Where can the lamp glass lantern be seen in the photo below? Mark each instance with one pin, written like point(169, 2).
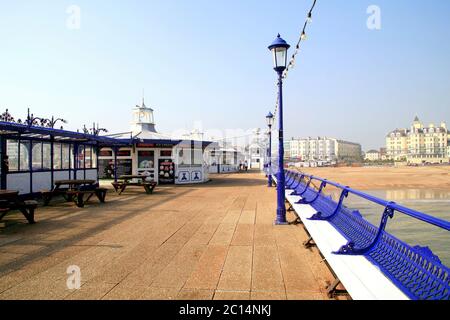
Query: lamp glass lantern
point(279, 50)
point(269, 119)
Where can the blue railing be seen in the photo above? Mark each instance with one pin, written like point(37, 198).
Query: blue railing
point(415, 270)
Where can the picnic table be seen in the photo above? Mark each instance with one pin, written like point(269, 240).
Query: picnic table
point(120, 186)
point(10, 200)
point(75, 190)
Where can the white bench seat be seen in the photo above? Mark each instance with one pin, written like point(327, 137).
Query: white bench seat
point(362, 279)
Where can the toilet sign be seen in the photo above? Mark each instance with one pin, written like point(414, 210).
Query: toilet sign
point(196, 176)
point(183, 176)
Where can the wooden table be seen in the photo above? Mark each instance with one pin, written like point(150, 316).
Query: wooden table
point(73, 184)
point(8, 194)
point(10, 200)
point(75, 191)
point(120, 186)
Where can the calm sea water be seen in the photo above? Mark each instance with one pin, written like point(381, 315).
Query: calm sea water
point(410, 230)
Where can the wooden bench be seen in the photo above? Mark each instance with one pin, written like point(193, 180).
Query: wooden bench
point(26, 207)
point(78, 195)
point(120, 186)
point(74, 190)
point(47, 195)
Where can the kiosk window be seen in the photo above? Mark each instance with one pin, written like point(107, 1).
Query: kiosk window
point(12, 151)
point(24, 152)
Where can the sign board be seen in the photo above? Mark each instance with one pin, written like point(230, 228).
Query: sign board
point(166, 171)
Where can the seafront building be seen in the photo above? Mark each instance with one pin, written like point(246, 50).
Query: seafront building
point(372, 155)
point(376, 155)
point(224, 159)
point(419, 144)
point(323, 149)
point(257, 150)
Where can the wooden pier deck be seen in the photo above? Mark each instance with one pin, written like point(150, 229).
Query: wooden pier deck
point(211, 241)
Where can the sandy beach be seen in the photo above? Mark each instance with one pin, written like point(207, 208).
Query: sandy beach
point(367, 178)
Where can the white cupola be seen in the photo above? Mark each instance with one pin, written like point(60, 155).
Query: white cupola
point(143, 120)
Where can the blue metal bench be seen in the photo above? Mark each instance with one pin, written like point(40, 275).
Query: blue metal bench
point(416, 271)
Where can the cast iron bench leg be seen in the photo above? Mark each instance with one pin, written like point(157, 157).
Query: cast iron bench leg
point(47, 196)
point(101, 195)
point(89, 197)
point(3, 213)
point(79, 200)
point(29, 214)
point(309, 243)
point(68, 197)
point(296, 221)
point(122, 188)
point(116, 186)
point(333, 291)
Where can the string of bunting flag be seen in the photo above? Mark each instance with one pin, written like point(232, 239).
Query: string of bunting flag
point(291, 63)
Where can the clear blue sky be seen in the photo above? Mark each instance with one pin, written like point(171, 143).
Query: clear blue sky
point(208, 61)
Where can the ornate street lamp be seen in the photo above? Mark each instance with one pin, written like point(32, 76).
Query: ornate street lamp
point(279, 50)
point(269, 119)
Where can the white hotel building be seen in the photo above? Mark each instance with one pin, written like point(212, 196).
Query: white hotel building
point(322, 149)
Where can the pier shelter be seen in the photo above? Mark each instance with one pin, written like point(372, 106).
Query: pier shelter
point(33, 156)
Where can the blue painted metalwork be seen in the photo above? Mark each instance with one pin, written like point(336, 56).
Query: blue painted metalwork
point(279, 67)
point(281, 209)
point(304, 190)
point(269, 118)
point(69, 136)
point(298, 181)
point(415, 270)
point(290, 179)
point(315, 195)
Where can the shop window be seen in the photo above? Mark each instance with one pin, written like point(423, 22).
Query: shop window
point(65, 156)
point(57, 161)
point(36, 156)
point(12, 151)
point(146, 159)
point(46, 156)
point(184, 156)
point(72, 157)
point(94, 157)
point(197, 156)
point(80, 157)
point(24, 152)
point(88, 157)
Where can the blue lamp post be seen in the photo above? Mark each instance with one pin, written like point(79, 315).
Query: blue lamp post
point(269, 119)
point(279, 50)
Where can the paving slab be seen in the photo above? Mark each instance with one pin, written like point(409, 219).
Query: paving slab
point(237, 271)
